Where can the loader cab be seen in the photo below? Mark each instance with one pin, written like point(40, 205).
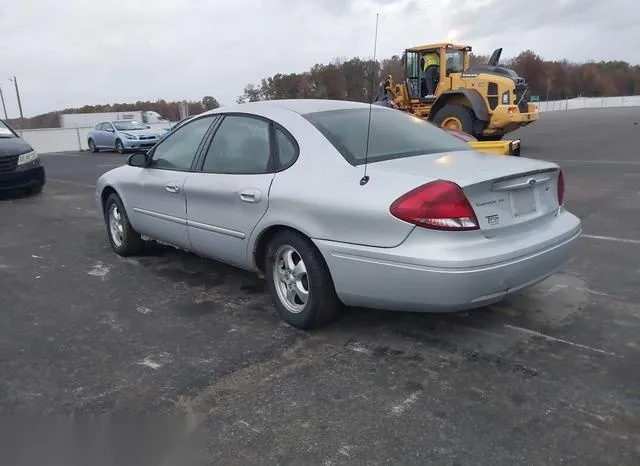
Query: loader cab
point(412, 73)
point(456, 61)
point(428, 67)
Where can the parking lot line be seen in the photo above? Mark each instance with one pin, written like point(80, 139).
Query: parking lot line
point(597, 162)
point(559, 340)
point(611, 238)
point(72, 183)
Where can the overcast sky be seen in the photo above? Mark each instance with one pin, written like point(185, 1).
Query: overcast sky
point(77, 52)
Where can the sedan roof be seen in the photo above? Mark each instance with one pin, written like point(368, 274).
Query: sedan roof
point(301, 106)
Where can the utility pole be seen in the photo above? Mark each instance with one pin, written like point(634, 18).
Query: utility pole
point(548, 87)
point(4, 107)
point(15, 82)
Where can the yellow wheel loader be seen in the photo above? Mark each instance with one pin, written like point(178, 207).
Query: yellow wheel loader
point(485, 101)
point(495, 147)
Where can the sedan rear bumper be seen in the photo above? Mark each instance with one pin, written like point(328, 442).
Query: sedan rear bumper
point(363, 278)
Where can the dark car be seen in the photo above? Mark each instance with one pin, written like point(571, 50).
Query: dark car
point(20, 166)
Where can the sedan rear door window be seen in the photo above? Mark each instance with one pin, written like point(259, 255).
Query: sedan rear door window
point(393, 134)
point(240, 146)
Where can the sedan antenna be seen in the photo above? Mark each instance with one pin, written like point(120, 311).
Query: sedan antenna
point(365, 179)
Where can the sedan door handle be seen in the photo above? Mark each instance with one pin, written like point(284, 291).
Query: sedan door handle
point(172, 188)
point(250, 195)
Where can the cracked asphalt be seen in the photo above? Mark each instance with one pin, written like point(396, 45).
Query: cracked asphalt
point(548, 377)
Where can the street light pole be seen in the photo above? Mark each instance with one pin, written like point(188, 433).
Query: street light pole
point(4, 107)
point(15, 82)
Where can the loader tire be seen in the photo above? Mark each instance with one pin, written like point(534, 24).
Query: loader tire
point(457, 117)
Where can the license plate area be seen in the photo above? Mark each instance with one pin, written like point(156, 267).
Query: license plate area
point(523, 202)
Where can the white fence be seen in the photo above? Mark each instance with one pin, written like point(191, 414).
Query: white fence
point(65, 139)
point(72, 139)
point(589, 102)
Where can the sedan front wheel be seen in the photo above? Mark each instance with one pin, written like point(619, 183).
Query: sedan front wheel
point(124, 240)
point(299, 282)
point(119, 147)
point(92, 146)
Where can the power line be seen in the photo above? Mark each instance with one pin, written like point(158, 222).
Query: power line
point(4, 107)
point(15, 82)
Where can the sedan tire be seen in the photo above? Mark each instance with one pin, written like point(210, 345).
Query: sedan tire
point(119, 147)
point(36, 189)
point(299, 282)
point(124, 240)
point(92, 146)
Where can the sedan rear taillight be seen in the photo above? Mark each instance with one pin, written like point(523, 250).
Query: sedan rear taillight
point(439, 205)
point(560, 188)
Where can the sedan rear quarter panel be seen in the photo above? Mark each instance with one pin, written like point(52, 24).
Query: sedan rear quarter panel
point(321, 195)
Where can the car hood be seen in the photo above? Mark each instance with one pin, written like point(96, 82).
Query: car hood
point(146, 132)
point(13, 146)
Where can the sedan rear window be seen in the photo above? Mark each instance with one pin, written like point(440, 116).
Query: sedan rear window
point(394, 134)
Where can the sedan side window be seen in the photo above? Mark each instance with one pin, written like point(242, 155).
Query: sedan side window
point(240, 146)
point(287, 148)
point(178, 149)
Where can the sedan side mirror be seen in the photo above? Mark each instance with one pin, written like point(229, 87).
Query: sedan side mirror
point(139, 159)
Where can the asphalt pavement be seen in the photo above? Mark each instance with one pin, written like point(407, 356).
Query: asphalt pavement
point(548, 377)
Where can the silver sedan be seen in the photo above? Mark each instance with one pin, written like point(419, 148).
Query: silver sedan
point(337, 203)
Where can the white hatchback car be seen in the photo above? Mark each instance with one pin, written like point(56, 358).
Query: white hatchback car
point(409, 218)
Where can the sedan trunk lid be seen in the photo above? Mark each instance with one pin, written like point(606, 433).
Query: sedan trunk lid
point(503, 191)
